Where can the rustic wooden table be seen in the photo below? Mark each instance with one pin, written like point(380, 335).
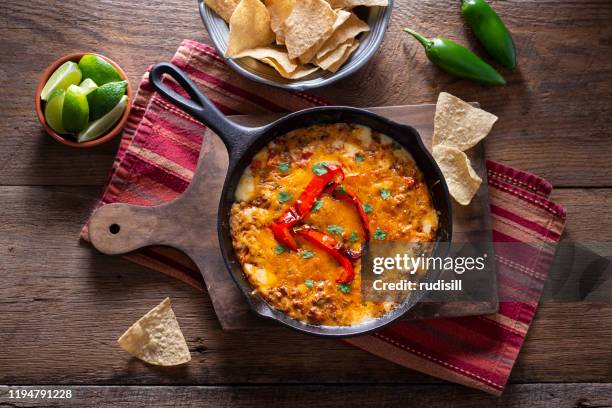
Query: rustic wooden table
point(62, 306)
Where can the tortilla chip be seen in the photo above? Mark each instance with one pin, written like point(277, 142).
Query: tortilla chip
point(348, 4)
point(350, 29)
point(332, 61)
point(458, 124)
point(279, 11)
point(462, 180)
point(277, 58)
point(224, 8)
point(157, 338)
point(310, 23)
point(249, 27)
point(309, 56)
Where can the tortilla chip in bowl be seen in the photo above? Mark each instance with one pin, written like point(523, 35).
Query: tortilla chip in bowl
point(296, 44)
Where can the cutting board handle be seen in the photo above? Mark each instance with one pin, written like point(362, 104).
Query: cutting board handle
point(116, 229)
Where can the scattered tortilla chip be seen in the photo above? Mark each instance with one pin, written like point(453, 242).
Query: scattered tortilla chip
point(279, 11)
point(249, 27)
point(462, 180)
point(350, 29)
point(348, 4)
point(332, 61)
point(277, 58)
point(157, 338)
point(458, 124)
point(224, 8)
point(310, 21)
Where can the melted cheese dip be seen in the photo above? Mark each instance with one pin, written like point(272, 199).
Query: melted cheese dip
point(303, 284)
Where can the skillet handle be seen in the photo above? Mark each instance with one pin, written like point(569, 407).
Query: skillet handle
point(198, 106)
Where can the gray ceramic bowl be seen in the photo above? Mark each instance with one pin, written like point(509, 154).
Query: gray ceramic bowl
point(377, 18)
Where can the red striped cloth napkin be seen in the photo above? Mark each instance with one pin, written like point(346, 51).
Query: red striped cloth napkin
point(158, 155)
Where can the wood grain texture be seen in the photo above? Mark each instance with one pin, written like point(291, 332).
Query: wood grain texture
point(556, 104)
point(520, 395)
point(63, 306)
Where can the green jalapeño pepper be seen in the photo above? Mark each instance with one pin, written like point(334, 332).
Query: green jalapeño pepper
point(458, 60)
point(490, 31)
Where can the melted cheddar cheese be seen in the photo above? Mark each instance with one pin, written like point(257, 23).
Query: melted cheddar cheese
point(303, 283)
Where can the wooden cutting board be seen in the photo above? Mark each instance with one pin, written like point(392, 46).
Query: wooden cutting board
point(189, 224)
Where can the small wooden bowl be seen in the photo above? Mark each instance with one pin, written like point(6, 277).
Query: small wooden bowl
point(39, 103)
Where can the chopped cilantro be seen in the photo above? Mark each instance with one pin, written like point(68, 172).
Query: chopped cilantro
point(341, 189)
point(367, 208)
point(319, 168)
point(385, 193)
point(309, 283)
point(334, 229)
point(344, 287)
point(279, 249)
point(359, 157)
point(379, 234)
point(354, 237)
point(283, 167)
point(317, 205)
point(306, 254)
point(284, 196)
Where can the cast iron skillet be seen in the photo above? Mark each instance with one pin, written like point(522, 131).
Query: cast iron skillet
point(243, 143)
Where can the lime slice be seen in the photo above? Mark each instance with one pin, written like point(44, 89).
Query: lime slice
point(53, 110)
point(103, 99)
point(98, 69)
point(75, 113)
point(88, 85)
point(99, 127)
point(67, 74)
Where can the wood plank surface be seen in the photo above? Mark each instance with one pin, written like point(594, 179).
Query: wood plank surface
point(520, 395)
point(555, 106)
point(64, 305)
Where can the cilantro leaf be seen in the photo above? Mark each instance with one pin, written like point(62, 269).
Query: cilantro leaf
point(279, 249)
point(284, 196)
point(344, 287)
point(306, 254)
point(379, 234)
point(359, 157)
point(309, 283)
point(319, 168)
point(317, 205)
point(283, 167)
point(367, 208)
point(335, 229)
point(354, 237)
point(385, 193)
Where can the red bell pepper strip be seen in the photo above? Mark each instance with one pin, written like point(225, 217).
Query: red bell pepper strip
point(332, 247)
point(281, 228)
point(344, 194)
point(316, 187)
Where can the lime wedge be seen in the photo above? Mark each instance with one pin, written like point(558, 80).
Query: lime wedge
point(88, 85)
point(67, 74)
point(99, 127)
point(53, 110)
point(98, 69)
point(75, 113)
point(103, 99)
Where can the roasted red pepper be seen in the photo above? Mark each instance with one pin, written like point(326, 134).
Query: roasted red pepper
point(344, 194)
point(332, 247)
point(281, 228)
point(316, 187)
